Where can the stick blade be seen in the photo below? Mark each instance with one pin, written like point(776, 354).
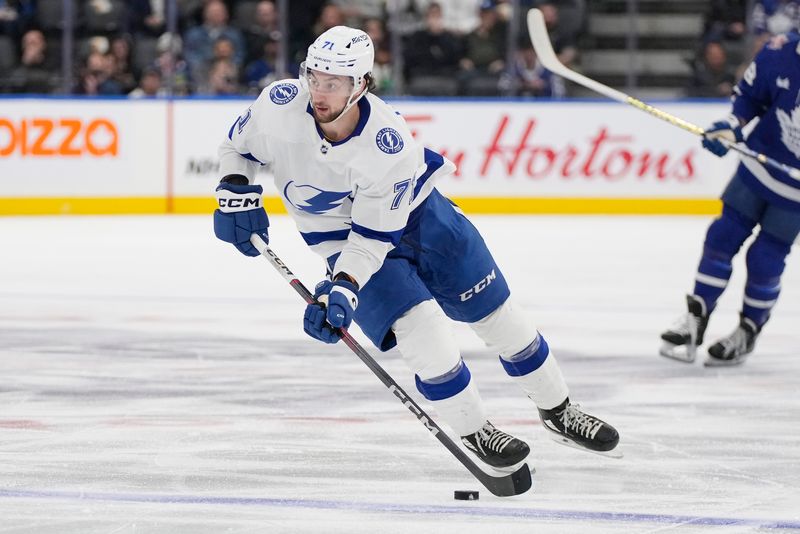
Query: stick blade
point(515, 483)
point(537, 30)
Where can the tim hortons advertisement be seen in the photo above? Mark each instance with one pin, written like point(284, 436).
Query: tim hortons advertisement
point(73, 148)
point(515, 149)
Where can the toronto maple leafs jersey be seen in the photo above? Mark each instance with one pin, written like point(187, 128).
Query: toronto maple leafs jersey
point(351, 196)
point(770, 90)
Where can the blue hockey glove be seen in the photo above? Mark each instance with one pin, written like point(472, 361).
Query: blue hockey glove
point(336, 303)
point(729, 129)
point(240, 214)
point(315, 325)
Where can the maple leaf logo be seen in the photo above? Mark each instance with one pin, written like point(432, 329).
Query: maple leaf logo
point(790, 130)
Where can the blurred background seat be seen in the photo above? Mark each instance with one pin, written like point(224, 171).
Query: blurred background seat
point(145, 50)
point(433, 86)
point(104, 16)
point(50, 15)
point(244, 14)
point(8, 54)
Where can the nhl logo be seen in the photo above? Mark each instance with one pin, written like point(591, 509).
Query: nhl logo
point(323, 148)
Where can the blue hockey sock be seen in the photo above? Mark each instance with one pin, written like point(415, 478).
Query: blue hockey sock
point(766, 259)
point(723, 241)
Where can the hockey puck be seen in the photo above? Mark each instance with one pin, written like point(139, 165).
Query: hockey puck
point(465, 495)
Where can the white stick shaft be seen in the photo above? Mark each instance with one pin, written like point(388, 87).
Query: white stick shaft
point(547, 56)
point(276, 262)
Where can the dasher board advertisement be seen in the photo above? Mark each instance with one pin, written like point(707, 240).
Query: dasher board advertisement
point(513, 156)
point(61, 147)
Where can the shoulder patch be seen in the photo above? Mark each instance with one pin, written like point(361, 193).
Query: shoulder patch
point(389, 141)
point(283, 93)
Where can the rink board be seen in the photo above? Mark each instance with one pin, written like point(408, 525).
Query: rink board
point(118, 156)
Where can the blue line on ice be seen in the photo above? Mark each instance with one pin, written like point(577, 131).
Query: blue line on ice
point(468, 510)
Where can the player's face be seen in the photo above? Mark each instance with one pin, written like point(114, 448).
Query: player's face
point(329, 94)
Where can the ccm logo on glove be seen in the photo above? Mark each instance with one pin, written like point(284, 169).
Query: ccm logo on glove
point(230, 202)
point(240, 215)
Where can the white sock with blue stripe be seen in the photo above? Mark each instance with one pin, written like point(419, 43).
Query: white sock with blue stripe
point(509, 332)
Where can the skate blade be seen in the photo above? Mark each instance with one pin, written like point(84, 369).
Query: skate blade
point(615, 453)
point(718, 362)
point(681, 353)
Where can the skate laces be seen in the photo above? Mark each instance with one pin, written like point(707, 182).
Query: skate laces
point(579, 422)
point(488, 437)
point(686, 324)
point(736, 342)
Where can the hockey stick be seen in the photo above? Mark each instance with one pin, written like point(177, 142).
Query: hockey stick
point(547, 56)
point(503, 486)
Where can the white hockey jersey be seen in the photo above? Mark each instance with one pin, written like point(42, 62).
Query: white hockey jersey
point(352, 196)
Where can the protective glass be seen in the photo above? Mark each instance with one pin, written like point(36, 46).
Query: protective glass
point(327, 84)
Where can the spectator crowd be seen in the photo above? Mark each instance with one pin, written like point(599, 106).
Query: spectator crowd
point(733, 32)
point(445, 47)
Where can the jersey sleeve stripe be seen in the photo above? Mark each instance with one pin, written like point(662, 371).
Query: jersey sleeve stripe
point(434, 161)
point(315, 238)
point(251, 158)
point(386, 237)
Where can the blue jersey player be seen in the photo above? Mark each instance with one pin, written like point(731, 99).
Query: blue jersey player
point(755, 196)
point(402, 260)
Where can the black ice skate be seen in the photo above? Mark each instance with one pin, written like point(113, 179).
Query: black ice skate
point(568, 425)
point(683, 338)
point(733, 349)
point(495, 447)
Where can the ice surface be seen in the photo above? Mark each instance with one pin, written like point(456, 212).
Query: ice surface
point(154, 380)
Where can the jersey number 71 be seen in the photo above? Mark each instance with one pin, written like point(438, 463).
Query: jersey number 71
point(400, 189)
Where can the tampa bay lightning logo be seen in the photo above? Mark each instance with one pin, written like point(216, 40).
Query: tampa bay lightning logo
point(389, 141)
point(283, 93)
point(313, 199)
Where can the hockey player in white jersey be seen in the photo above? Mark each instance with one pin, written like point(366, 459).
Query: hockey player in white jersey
point(401, 258)
point(755, 196)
